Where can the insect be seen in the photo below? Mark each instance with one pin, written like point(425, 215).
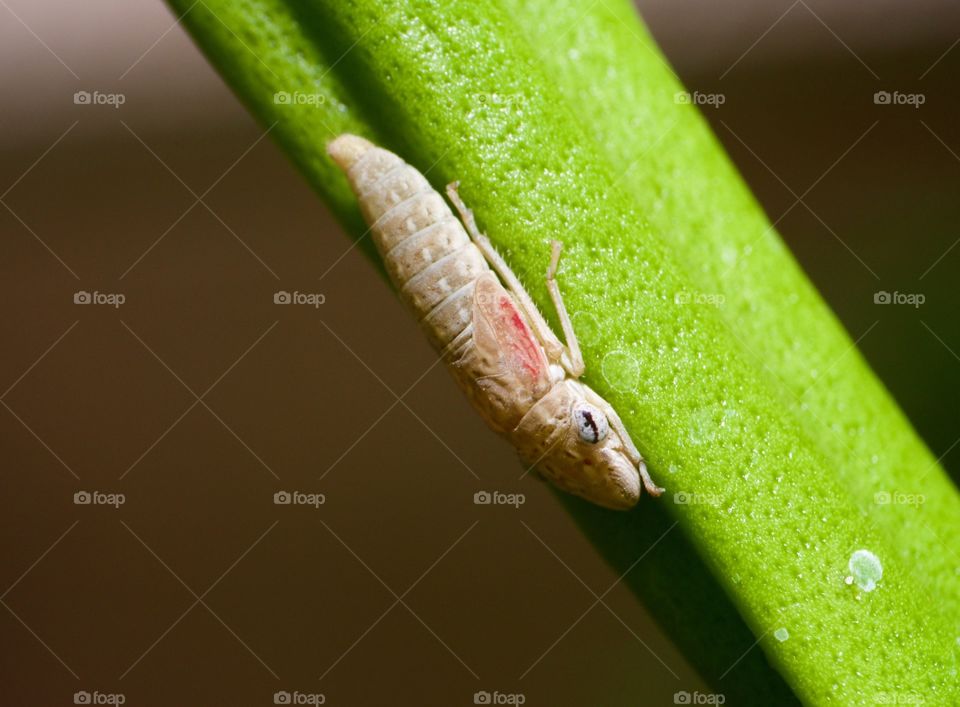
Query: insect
point(517, 374)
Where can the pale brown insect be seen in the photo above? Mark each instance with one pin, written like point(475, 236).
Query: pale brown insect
point(501, 351)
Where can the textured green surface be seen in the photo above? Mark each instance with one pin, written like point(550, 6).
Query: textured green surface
point(769, 304)
point(596, 152)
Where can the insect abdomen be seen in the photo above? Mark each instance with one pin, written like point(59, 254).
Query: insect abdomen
point(424, 247)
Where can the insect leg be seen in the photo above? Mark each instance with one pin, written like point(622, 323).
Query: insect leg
point(632, 452)
point(576, 366)
point(551, 344)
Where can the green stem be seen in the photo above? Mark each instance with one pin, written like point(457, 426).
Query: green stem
point(595, 151)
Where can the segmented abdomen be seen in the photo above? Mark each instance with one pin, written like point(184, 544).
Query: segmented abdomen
point(426, 250)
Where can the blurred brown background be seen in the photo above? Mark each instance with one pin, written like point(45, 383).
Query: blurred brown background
point(198, 398)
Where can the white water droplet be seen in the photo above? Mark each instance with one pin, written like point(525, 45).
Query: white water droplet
point(866, 569)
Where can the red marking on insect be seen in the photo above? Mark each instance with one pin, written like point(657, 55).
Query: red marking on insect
point(527, 351)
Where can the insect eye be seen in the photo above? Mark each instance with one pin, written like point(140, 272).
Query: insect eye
point(591, 423)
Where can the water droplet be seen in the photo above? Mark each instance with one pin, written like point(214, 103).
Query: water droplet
point(866, 570)
point(703, 429)
point(621, 371)
point(781, 634)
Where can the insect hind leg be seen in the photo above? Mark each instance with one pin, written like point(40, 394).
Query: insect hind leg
point(574, 355)
point(554, 348)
